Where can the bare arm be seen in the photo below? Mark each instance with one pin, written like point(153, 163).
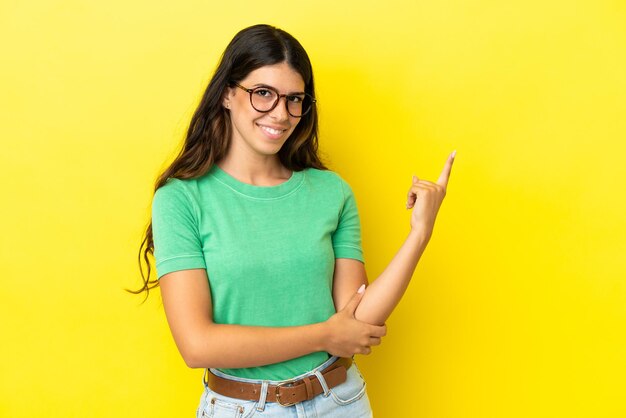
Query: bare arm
point(202, 343)
point(383, 295)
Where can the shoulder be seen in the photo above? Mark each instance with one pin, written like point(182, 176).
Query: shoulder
point(175, 193)
point(173, 188)
point(326, 176)
point(329, 183)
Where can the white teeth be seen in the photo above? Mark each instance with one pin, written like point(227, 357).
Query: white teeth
point(272, 131)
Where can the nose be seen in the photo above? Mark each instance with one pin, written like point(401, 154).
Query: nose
point(280, 110)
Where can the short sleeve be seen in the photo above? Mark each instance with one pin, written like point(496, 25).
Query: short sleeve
point(177, 244)
point(347, 238)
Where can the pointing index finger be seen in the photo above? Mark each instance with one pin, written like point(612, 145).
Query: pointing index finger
point(445, 173)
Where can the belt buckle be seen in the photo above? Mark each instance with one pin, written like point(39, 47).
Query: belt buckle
point(277, 393)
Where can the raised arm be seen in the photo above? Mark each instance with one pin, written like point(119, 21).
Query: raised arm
point(202, 343)
point(383, 295)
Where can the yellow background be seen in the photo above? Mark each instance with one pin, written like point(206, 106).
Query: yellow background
point(518, 306)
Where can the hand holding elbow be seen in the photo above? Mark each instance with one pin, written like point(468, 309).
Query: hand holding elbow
point(347, 336)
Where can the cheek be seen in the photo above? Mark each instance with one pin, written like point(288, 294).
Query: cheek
point(294, 123)
point(246, 116)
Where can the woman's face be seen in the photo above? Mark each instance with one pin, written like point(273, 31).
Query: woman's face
point(262, 134)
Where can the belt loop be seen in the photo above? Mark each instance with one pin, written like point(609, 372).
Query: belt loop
point(205, 381)
point(261, 405)
point(308, 388)
point(322, 382)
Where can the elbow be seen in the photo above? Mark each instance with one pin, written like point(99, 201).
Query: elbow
point(197, 353)
point(193, 362)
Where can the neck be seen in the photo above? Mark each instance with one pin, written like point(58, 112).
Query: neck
point(256, 170)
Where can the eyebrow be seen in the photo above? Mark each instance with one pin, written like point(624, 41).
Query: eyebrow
point(274, 88)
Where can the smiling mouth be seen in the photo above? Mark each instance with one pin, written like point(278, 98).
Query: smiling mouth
point(272, 131)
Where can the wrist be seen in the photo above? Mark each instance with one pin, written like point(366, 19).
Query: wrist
point(322, 333)
point(420, 234)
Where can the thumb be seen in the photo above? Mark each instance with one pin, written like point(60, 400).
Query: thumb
point(354, 301)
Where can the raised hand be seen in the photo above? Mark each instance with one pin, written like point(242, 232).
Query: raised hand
point(425, 197)
point(347, 335)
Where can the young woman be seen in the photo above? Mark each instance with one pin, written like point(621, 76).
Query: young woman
point(258, 248)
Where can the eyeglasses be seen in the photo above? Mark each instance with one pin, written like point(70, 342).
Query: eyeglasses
point(264, 99)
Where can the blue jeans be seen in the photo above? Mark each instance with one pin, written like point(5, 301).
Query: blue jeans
point(348, 399)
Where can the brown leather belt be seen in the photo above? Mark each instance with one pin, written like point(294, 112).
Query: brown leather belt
point(287, 393)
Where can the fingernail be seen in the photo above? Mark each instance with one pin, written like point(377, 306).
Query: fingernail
point(415, 178)
point(453, 153)
point(361, 289)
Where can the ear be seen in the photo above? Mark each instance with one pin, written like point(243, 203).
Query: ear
point(226, 97)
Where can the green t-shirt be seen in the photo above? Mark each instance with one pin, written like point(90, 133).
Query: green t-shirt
point(269, 251)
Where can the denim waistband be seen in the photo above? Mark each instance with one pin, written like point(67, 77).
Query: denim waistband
point(316, 370)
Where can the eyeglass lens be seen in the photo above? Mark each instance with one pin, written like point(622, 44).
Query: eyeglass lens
point(265, 99)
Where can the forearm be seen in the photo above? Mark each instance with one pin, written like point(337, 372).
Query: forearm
point(202, 343)
point(384, 293)
point(235, 346)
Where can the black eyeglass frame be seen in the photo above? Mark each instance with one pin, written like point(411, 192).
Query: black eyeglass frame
point(278, 97)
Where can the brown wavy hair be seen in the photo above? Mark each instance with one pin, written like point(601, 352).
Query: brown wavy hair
point(209, 132)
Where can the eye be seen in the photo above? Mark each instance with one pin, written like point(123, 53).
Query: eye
point(265, 93)
point(295, 98)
